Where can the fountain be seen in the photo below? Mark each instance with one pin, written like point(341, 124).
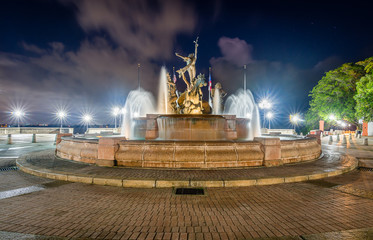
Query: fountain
point(183, 132)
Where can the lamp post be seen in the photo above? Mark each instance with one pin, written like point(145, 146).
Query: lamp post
point(265, 104)
point(294, 119)
point(87, 119)
point(115, 112)
point(18, 114)
point(269, 116)
point(61, 115)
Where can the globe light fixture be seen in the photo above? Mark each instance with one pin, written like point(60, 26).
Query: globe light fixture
point(18, 114)
point(265, 104)
point(87, 119)
point(61, 115)
point(295, 119)
point(269, 116)
point(115, 112)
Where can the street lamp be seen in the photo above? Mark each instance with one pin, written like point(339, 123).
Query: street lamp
point(18, 114)
point(116, 111)
point(265, 104)
point(294, 119)
point(269, 116)
point(61, 115)
point(87, 118)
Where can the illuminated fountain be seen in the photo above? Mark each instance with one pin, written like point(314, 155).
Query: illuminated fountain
point(182, 131)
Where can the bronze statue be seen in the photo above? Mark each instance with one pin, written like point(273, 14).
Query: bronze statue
point(172, 95)
point(191, 65)
point(190, 101)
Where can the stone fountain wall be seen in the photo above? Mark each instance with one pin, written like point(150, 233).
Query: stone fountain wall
point(116, 151)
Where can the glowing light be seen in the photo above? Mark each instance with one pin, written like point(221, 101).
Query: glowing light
point(269, 115)
point(265, 104)
point(61, 114)
point(295, 118)
point(18, 114)
point(343, 124)
point(332, 117)
point(87, 118)
point(116, 111)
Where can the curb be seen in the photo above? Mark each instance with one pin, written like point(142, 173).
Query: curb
point(159, 183)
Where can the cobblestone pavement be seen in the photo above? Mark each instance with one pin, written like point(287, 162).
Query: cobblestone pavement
point(320, 209)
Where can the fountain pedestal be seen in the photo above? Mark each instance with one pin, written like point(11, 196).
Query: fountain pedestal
point(198, 127)
point(272, 151)
point(106, 149)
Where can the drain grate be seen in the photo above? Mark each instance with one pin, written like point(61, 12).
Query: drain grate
point(363, 169)
point(189, 191)
point(5, 169)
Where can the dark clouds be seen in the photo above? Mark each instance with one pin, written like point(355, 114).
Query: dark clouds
point(105, 65)
point(287, 84)
point(146, 29)
point(92, 61)
point(234, 50)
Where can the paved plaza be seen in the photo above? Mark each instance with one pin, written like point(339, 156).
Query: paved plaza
point(339, 207)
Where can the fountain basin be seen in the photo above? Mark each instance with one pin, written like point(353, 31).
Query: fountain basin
point(190, 127)
point(116, 151)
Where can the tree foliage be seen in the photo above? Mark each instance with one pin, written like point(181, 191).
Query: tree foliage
point(364, 98)
point(345, 92)
point(334, 94)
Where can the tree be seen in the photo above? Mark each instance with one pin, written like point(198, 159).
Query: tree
point(364, 98)
point(334, 94)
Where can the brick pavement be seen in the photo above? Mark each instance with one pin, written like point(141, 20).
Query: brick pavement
point(78, 210)
point(320, 209)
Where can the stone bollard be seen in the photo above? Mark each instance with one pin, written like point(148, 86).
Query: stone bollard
point(350, 138)
point(34, 138)
point(356, 134)
point(9, 138)
point(359, 136)
point(366, 141)
point(330, 138)
point(338, 138)
point(344, 140)
point(301, 134)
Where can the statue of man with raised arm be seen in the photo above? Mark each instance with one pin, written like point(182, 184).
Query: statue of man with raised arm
point(191, 65)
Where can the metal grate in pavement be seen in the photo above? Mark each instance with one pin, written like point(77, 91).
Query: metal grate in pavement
point(363, 169)
point(5, 169)
point(189, 191)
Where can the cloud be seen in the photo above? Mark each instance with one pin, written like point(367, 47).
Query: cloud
point(287, 83)
point(328, 64)
point(103, 69)
point(234, 50)
point(146, 29)
point(32, 48)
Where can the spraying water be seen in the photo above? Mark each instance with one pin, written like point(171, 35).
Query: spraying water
point(216, 104)
point(138, 104)
point(242, 104)
point(163, 92)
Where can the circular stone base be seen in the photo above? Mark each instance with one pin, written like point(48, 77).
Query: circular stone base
point(46, 164)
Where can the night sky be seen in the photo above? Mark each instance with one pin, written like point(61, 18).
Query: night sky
point(83, 55)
